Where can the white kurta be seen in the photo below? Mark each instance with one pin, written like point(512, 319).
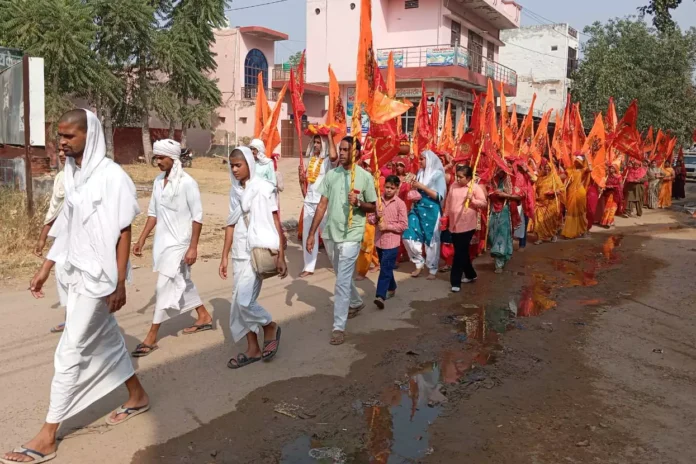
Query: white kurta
point(176, 293)
point(55, 208)
point(91, 359)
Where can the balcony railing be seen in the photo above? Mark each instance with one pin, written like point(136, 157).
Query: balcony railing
point(249, 93)
point(434, 55)
point(281, 73)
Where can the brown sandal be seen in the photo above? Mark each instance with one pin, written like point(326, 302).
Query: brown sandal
point(353, 312)
point(337, 337)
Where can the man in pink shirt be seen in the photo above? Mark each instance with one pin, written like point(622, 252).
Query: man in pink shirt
point(462, 224)
point(393, 221)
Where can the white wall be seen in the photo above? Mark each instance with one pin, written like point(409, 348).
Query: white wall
point(540, 69)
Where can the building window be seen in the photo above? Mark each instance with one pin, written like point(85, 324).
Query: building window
point(554, 48)
point(254, 63)
point(572, 62)
point(490, 51)
point(408, 4)
point(408, 119)
point(552, 91)
point(456, 37)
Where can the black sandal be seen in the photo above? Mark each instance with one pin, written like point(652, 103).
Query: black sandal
point(140, 350)
point(270, 350)
point(241, 360)
point(198, 328)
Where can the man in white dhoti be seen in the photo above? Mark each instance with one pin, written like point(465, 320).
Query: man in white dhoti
point(91, 359)
point(55, 207)
point(175, 208)
point(253, 223)
point(322, 158)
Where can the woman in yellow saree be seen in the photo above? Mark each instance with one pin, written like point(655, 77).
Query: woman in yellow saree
point(576, 200)
point(665, 199)
point(549, 198)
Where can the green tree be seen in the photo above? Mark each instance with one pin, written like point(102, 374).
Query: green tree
point(294, 59)
point(627, 60)
point(61, 32)
point(190, 34)
point(660, 10)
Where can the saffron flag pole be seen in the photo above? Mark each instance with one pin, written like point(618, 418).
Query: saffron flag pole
point(296, 92)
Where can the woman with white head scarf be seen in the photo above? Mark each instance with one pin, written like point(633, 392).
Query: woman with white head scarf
point(424, 218)
point(252, 223)
point(91, 359)
point(264, 164)
point(176, 214)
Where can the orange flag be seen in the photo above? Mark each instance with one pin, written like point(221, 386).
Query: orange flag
point(490, 124)
point(670, 150)
point(379, 106)
point(525, 135)
point(391, 77)
point(460, 128)
point(446, 139)
point(423, 135)
point(263, 111)
point(559, 150)
point(595, 150)
point(435, 121)
point(507, 135)
point(269, 134)
point(514, 125)
point(612, 118)
point(648, 143)
point(336, 116)
point(626, 138)
point(541, 136)
point(657, 146)
point(578, 134)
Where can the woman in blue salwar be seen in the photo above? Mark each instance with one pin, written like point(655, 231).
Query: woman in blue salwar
point(503, 220)
point(424, 218)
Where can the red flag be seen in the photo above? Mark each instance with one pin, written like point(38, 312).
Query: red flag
point(626, 137)
point(475, 122)
point(424, 135)
point(435, 121)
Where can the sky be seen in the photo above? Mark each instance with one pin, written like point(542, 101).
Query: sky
point(289, 16)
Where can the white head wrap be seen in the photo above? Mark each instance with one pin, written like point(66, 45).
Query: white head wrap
point(261, 157)
point(171, 149)
point(324, 147)
point(433, 176)
point(92, 156)
point(237, 190)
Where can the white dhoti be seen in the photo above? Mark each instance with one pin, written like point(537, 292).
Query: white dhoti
point(310, 259)
point(91, 359)
point(175, 296)
point(246, 314)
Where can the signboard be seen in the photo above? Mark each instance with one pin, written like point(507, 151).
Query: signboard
point(443, 56)
point(462, 57)
point(350, 107)
point(383, 58)
point(9, 57)
point(12, 106)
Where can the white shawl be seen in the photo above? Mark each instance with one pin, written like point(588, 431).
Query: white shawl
point(433, 176)
point(100, 201)
point(257, 199)
point(261, 157)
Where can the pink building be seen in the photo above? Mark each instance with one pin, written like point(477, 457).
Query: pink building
point(451, 44)
point(243, 52)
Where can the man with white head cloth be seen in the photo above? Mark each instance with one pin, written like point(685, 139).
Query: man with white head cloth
point(175, 208)
point(91, 359)
point(264, 164)
point(322, 158)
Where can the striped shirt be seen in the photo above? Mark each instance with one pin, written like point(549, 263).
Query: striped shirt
point(395, 218)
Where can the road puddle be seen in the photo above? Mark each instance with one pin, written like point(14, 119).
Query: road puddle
point(577, 271)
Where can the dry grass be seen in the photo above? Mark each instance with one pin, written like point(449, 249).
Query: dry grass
point(210, 173)
point(18, 234)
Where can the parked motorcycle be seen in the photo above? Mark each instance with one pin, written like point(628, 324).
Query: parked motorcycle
point(186, 158)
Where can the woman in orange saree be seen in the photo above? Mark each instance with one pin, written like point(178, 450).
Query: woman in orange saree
point(576, 200)
point(613, 197)
point(665, 199)
point(549, 198)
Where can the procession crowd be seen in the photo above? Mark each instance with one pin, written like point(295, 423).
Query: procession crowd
point(428, 207)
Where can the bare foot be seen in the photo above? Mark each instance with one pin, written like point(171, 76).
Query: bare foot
point(375, 269)
point(431, 277)
point(270, 331)
point(359, 277)
point(304, 274)
point(416, 272)
point(41, 443)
